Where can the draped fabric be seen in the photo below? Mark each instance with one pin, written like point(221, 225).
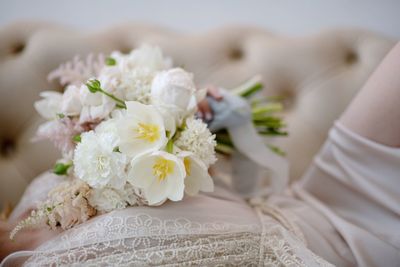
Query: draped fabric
point(218, 229)
point(343, 211)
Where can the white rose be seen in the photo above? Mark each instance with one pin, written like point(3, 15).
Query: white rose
point(71, 102)
point(49, 106)
point(175, 90)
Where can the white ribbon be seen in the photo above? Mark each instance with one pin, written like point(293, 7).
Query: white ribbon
point(234, 114)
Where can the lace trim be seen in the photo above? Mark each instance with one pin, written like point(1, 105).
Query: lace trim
point(143, 240)
point(285, 218)
point(110, 227)
point(282, 244)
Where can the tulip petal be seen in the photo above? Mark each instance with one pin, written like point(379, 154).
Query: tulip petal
point(157, 191)
point(140, 174)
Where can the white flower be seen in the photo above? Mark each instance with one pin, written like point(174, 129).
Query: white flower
point(197, 176)
point(109, 127)
point(107, 199)
point(130, 85)
point(141, 130)
point(49, 106)
point(71, 102)
point(97, 163)
point(95, 106)
point(69, 204)
point(175, 90)
point(131, 77)
point(197, 138)
point(161, 176)
point(148, 57)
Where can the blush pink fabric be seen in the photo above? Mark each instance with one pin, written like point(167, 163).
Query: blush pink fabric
point(345, 209)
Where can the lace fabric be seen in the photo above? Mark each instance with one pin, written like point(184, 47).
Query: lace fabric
point(145, 240)
point(201, 231)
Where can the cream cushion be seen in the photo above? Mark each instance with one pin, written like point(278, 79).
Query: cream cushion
point(318, 76)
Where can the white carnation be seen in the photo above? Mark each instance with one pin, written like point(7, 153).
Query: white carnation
point(97, 163)
point(197, 138)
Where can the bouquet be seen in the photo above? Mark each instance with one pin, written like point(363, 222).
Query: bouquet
point(128, 133)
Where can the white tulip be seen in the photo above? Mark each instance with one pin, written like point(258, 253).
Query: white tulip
point(161, 176)
point(49, 106)
point(197, 176)
point(141, 129)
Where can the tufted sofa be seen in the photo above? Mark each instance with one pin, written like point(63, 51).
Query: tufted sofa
point(317, 76)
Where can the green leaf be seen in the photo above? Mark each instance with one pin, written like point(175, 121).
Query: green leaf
point(252, 90)
point(60, 115)
point(110, 61)
point(77, 138)
point(269, 122)
point(249, 88)
point(61, 168)
point(267, 109)
point(170, 146)
point(116, 149)
point(277, 150)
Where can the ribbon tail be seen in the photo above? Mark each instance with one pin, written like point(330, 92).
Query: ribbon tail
point(249, 143)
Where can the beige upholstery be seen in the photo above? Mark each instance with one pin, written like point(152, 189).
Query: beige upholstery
point(318, 75)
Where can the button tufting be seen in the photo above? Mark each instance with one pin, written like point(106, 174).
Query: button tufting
point(351, 57)
point(236, 54)
point(7, 146)
point(288, 98)
point(126, 49)
point(17, 48)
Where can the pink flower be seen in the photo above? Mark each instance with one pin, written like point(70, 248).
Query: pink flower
point(60, 132)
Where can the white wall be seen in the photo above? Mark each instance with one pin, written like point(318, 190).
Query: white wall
point(284, 16)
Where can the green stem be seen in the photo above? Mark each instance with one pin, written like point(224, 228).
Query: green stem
point(224, 149)
point(120, 102)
